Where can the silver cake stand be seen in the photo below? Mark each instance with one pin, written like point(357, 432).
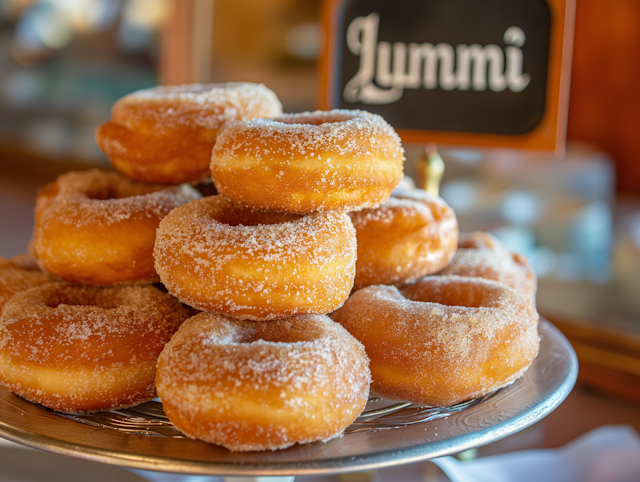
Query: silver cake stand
point(383, 436)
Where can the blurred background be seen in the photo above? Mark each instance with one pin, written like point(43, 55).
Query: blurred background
point(63, 63)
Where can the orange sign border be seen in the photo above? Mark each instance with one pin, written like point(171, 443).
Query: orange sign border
point(549, 134)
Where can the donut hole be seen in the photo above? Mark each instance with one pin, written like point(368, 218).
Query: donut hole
point(232, 215)
point(101, 186)
point(105, 193)
point(96, 303)
point(315, 118)
point(81, 296)
point(477, 241)
point(185, 89)
point(254, 218)
point(470, 293)
point(281, 331)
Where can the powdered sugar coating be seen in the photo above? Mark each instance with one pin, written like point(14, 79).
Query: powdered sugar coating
point(215, 255)
point(481, 255)
point(78, 348)
point(442, 339)
point(315, 161)
point(18, 274)
point(263, 385)
point(411, 235)
point(166, 134)
point(207, 106)
point(98, 228)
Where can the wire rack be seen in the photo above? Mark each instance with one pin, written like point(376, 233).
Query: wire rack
point(148, 419)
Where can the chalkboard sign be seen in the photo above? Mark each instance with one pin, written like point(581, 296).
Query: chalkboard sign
point(479, 72)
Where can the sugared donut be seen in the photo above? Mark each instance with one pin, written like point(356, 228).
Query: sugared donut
point(98, 228)
point(314, 161)
point(81, 349)
point(262, 385)
point(442, 339)
point(217, 256)
point(165, 134)
point(18, 274)
point(413, 234)
point(481, 255)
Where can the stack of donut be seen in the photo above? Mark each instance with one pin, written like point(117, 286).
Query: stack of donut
point(305, 222)
point(85, 332)
point(81, 325)
point(267, 259)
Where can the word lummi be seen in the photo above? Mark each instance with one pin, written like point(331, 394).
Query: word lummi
point(386, 70)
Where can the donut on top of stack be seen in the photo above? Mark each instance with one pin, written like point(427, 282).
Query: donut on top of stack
point(276, 242)
point(340, 160)
point(165, 134)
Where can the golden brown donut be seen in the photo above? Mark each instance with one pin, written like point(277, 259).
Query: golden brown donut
point(481, 255)
point(18, 274)
point(98, 228)
point(442, 339)
point(263, 385)
point(314, 161)
point(165, 134)
point(413, 234)
point(82, 349)
point(217, 256)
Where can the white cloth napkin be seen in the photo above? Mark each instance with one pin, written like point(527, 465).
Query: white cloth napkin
point(606, 454)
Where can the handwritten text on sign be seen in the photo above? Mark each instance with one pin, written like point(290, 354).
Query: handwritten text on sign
point(386, 70)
